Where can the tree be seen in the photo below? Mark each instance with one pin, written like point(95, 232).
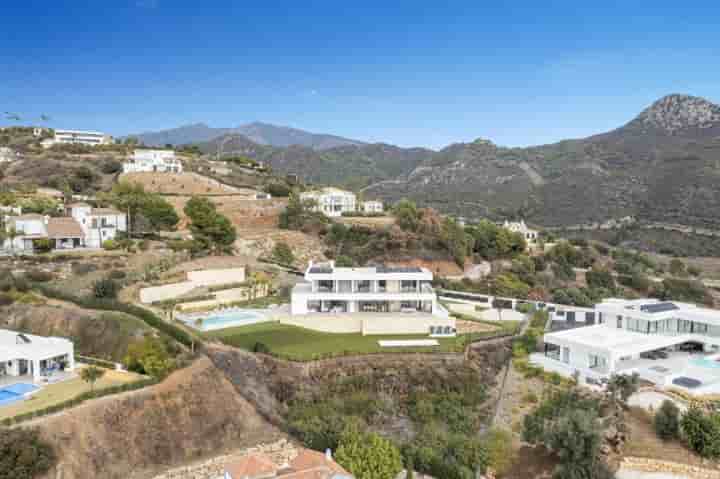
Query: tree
point(146, 211)
point(91, 375)
point(105, 288)
point(667, 421)
point(367, 455)
point(702, 432)
point(621, 386)
point(407, 215)
point(24, 454)
point(282, 253)
point(677, 267)
point(210, 229)
point(600, 278)
point(455, 239)
point(149, 356)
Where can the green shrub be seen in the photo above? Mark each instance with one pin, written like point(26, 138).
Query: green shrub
point(24, 454)
point(667, 420)
point(105, 288)
point(498, 444)
point(282, 253)
point(261, 348)
point(81, 269)
point(117, 274)
point(42, 245)
point(110, 244)
point(39, 276)
point(702, 432)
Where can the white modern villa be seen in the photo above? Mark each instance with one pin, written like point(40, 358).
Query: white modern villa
point(27, 355)
point(668, 343)
point(155, 161)
point(91, 138)
point(332, 202)
point(372, 206)
point(372, 300)
point(529, 234)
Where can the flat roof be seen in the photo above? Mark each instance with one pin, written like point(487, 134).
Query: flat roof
point(620, 341)
point(38, 347)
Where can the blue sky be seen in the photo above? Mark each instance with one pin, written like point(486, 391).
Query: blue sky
point(412, 73)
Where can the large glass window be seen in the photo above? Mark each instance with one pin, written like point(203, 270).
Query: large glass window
point(363, 286)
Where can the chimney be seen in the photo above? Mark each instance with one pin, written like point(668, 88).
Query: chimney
point(46, 219)
point(328, 454)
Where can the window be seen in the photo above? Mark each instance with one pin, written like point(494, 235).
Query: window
point(619, 322)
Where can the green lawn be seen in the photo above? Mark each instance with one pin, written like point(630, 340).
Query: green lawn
point(300, 344)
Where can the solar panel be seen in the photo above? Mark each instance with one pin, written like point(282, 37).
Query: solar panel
point(658, 307)
point(398, 269)
point(321, 270)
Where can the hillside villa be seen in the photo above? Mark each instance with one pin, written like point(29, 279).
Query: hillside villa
point(668, 343)
point(32, 357)
point(82, 227)
point(333, 202)
point(307, 464)
point(91, 138)
point(153, 161)
point(371, 300)
point(372, 207)
point(529, 234)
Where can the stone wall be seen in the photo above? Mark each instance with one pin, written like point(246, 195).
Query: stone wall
point(667, 467)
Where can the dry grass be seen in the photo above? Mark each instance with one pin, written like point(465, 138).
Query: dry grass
point(643, 441)
point(65, 390)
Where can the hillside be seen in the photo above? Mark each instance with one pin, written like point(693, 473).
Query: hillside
point(194, 413)
point(664, 165)
point(354, 166)
point(258, 132)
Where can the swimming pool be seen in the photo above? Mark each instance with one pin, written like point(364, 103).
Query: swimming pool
point(706, 363)
point(15, 392)
point(226, 319)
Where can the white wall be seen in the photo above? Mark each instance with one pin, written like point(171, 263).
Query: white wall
point(210, 277)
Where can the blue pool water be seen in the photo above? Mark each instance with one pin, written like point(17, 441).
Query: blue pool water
point(15, 392)
point(227, 319)
point(706, 363)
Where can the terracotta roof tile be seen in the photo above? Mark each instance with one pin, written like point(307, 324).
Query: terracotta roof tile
point(64, 228)
point(254, 466)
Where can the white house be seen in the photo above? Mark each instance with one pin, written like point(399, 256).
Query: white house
point(160, 161)
point(645, 336)
point(529, 234)
point(396, 299)
point(8, 154)
point(97, 224)
point(34, 356)
point(372, 206)
point(82, 227)
point(332, 202)
point(91, 138)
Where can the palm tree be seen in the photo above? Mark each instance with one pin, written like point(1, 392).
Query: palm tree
point(91, 375)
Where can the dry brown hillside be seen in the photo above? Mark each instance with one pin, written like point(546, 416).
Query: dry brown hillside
point(186, 183)
point(194, 413)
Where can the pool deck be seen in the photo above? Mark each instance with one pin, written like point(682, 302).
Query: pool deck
point(663, 371)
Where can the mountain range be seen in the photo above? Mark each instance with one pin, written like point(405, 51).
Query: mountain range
point(258, 132)
point(664, 165)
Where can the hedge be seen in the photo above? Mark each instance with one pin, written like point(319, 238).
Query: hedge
point(101, 363)
point(79, 399)
point(106, 304)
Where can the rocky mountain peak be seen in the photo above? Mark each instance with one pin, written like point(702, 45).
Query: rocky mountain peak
point(673, 113)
